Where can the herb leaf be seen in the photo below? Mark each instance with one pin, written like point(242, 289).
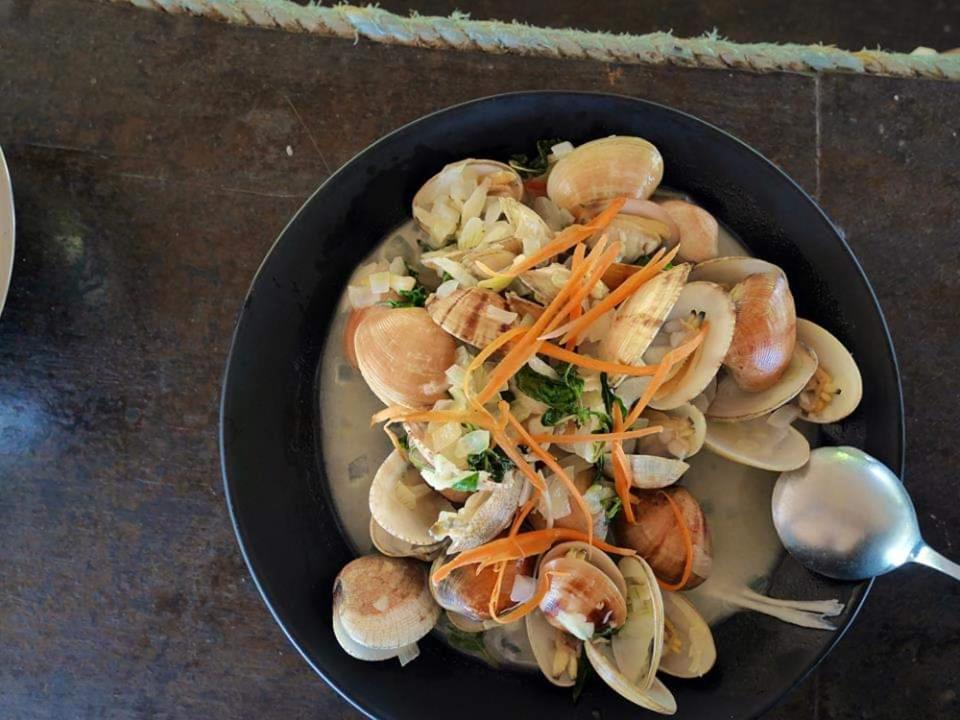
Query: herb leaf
point(410, 298)
point(467, 642)
point(467, 484)
point(583, 673)
point(562, 394)
point(492, 461)
point(612, 507)
point(527, 166)
point(610, 397)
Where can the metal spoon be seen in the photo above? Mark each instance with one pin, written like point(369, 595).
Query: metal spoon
point(846, 515)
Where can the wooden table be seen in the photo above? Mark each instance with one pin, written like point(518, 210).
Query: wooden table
point(154, 161)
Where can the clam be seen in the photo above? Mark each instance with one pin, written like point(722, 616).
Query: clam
point(688, 647)
point(395, 547)
point(615, 275)
point(384, 603)
point(733, 403)
point(616, 166)
point(467, 592)
point(638, 236)
point(545, 283)
point(766, 330)
point(526, 225)
point(474, 315)
point(482, 517)
point(699, 302)
point(556, 651)
point(462, 622)
point(404, 355)
point(581, 598)
point(684, 429)
point(657, 538)
point(649, 472)
point(731, 269)
point(355, 649)
point(628, 662)
point(836, 387)
point(699, 232)
point(403, 504)
point(458, 192)
point(637, 321)
point(576, 550)
point(759, 443)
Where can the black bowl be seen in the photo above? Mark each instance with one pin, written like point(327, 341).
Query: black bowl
point(270, 421)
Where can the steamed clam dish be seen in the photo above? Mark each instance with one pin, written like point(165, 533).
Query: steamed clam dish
point(554, 345)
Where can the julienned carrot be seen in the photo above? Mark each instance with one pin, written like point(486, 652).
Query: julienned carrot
point(559, 353)
point(482, 356)
point(551, 463)
point(520, 546)
point(600, 256)
point(398, 413)
point(525, 608)
point(598, 437)
point(578, 254)
point(656, 264)
point(565, 239)
point(687, 547)
point(663, 372)
point(621, 468)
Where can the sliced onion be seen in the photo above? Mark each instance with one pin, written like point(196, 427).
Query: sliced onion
point(447, 288)
point(500, 315)
point(471, 235)
point(523, 588)
point(407, 654)
point(562, 148)
point(473, 442)
point(398, 266)
point(542, 368)
point(361, 297)
point(456, 271)
point(380, 282)
point(402, 282)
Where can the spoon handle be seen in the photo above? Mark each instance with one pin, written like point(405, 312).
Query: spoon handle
point(926, 555)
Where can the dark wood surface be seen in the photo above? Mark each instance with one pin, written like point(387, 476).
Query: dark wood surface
point(154, 161)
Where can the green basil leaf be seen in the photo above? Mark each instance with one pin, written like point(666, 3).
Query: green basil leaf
point(467, 484)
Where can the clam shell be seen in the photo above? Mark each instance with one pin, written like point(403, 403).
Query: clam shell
point(638, 320)
point(656, 537)
point(638, 645)
point(656, 698)
point(523, 307)
point(692, 415)
point(403, 355)
point(355, 649)
point(731, 269)
point(462, 622)
point(649, 472)
point(395, 547)
point(581, 598)
point(837, 361)
point(545, 641)
point(384, 603)
point(465, 314)
point(545, 283)
point(758, 444)
point(766, 330)
point(638, 236)
point(597, 558)
point(699, 232)
point(688, 647)
point(410, 525)
point(616, 166)
point(703, 364)
point(732, 403)
point(483, 516)
point(615, 275)
point(466, 592)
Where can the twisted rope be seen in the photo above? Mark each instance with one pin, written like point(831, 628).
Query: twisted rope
point(459, 32)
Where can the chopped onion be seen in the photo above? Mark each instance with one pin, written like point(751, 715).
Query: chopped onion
point(474, 204)
point(784, 416)
point(361, 297)
point(443, 435)
point(398, 266)
point(562, 148)
point(500, 315)
point(542, 368)
point(447, 288)
point(455, 375)
point(493, 210)
point(530, 245)
point(402, 282)
point(523, 588)
point(471, 234)
point(407, 654)
point(456, 270)
point(496, 232)
point(473, 442)
point(380, 282)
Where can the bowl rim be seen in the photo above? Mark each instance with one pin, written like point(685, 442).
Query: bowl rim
point(861, 590)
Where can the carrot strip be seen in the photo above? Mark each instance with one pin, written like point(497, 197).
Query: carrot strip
point(495, 595)
point(482, 356)
point(400, 413)
point(598, 437)
point(656, 264)
point(579, 254)
point(528, 506)
point(522, 545)
point(663, 371)
point(621, 468)
point(559, 353)
point(551, 463)
point(687, 547)
point(565, 239)
point(543, 585)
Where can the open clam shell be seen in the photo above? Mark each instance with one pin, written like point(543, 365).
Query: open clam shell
point(557, 652)
point(732, 403)
point(462, 622)
point(474, 315)
point(841, 369)
point(688, 647)
point(718, 310)
point(392, 546)
point(649, 472)
point(731, 269)
point(484, 514)
point(758, 444)
point(545, 282)
point(687, 428)
point(597, 558)
point(403, 355)
point(699, 232)
point(581, 598)
point(403, 504)
point(616, 166)
point(384, 603)
point(466, 592)
point(638, 320)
